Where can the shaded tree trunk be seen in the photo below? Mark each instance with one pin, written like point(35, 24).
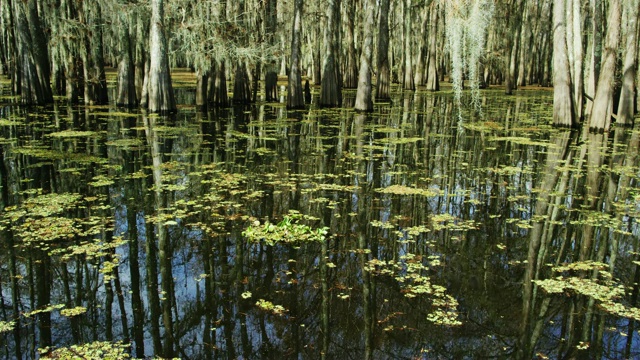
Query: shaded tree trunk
point(241, 85)
point(295, 98)
point(217, 91)
point(350, 80)
point(383, 84)
point(433, 82)
point(271, 68)
point(408, 81)
point(330, 92)
point(126, 95)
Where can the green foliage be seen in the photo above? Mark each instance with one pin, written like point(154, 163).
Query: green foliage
point(92, 351)
point(576, 278)
point(268, 306)
point(6, 326)
point(288, 231)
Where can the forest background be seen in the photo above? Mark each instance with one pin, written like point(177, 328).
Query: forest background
point(586, 50)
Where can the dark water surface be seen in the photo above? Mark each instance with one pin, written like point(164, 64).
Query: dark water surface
point(408, 233)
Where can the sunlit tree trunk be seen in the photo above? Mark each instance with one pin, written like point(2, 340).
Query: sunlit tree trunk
point(626, 106)
point(161, 97)
point(433, 82)
point(603, 100)
point(563, 112)
point(364, 100)
point(330, 92)
point(513, 44)
point(295, 98)
point(407, 80)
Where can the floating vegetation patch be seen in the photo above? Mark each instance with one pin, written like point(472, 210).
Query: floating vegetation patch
point(126, 143)
point(10, 122)
point(522, 141)
point(101, 180)
point(576, 278)
point(78, 310)
point(72, 134)
point(288, 231)
point(270, 307)
point(115, 114)
point(411, 273)
point(92, 351)
point(406, 190)
point(6, 326)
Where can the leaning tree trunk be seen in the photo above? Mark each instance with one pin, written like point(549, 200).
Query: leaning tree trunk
point(626, 106)
point(603, 101)
point(562, 95)
point(159, 87)
point(384, 72)
point(363, 94)
point(295, 98)
point(330, 92)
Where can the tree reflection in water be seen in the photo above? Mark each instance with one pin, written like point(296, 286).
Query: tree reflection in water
point(440, 231)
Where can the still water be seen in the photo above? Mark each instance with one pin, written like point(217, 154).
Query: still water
point(414, 232)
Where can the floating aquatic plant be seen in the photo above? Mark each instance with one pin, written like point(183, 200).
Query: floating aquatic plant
point(289, 231)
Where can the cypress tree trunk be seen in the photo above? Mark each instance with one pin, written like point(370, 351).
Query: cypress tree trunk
point(241, 86)
point(363, 94)
point(40, 52)
point(159, 86)
point(330, 92)
point(384, 73)
point(562, 103)
point(271, 73)
point(218, 86)
point(350, 80)
point(433, 82)
point(407, 81)
point(295, 98)
point(603, 101)
point(126, 95)
point(626, 106)
point(32, 90)
point(202, 81)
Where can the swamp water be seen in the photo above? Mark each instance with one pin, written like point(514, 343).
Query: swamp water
point(258, 232)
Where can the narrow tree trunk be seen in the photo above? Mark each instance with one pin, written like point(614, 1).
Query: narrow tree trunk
point(433, 82)
point(40, 52)
point(241, 86)
point(350, 80)
point(295, 98)
point(562, 94)
point(407, 82)
point(159, 87)
point(32, 91)
point(603, 101)
point(383, 85)
point(271, 69)
point(364, 100)
point(202, 80)
point(126, 95)
point(330, 92)
point(626, 106)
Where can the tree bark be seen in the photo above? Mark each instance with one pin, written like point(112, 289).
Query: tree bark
point(626, 106)
point(603, 101)
point(330, 92)
point(433, 82)
point(350, 80)
point(126, 96)
point(295, 98)
point(408, 81)
point(363, 94)
point(562, 104)
point(383, 84)
point(271, 73)
point(161, 97)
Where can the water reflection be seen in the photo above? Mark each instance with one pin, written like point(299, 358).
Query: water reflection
point(442, 231)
